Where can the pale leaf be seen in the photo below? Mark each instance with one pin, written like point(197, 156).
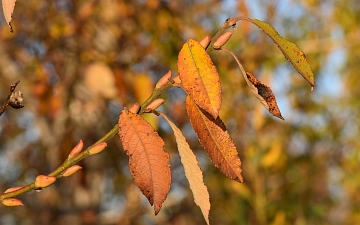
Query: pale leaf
point(8, 9)
point(192, 171)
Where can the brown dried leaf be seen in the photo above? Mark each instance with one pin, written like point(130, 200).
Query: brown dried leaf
point(199, 77)
point(260, 90)
point(8, 9)
point(216, 141)
point(264, 94)
point(192, 171)
point(148, 162)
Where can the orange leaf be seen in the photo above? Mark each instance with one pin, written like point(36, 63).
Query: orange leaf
point(199, 77)
point(216, 141)
point(148, 162)
point(192, 171)
point(8, 9)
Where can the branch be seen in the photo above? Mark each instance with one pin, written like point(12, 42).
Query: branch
point(14, 99)
point(76, 155)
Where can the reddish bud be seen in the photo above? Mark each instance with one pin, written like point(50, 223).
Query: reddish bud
point(134, 108)
point(222, 40)
point(97, 148)
point(43, 181)
point(76, 150)
point(205, 41)
point(177, 81)
point(13, 189)
point(71, 170)
point(163, 80)
point(155, 104)
point(12, 202)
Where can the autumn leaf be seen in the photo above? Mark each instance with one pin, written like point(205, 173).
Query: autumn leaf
point(8, 9)
point(216, 140)
point(192, 171)
point(264, 94)
point(260, 90)
point(290, 50)
point(148, 162)
point(199, 77)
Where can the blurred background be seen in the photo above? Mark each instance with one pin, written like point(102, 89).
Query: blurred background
point(80, 62)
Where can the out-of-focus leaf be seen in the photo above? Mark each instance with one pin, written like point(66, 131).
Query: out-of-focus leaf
point(216, 140)
point(264, 94)
point(8, 9)
point(290, 50)
point(143, 87)
point(199, 77)
point(100, 80)
point(192, 171)
point(148, 162)
point(272, 157)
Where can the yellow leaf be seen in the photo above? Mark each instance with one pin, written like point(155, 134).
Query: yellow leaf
point(290, 50)
point(192, 171)
point(199, 77)
point(273, 156)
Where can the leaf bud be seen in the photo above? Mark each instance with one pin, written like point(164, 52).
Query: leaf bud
point(13, 189)
point(177, 81)
point(71, 170)
point(76, 150)
point(43, 181)
point(163, 80)
point(205, 41)
point(155, 104)
point(97, 148)
point(134, 108)
point(12, 202)
point(222, 40)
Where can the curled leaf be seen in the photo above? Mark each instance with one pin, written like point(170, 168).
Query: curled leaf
point(260, 90)
point(148, 161)
point(192, 171)
point(216, 140)
point(199, 77)
point(264, 94)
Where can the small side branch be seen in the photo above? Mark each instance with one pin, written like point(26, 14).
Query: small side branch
point(14, 99)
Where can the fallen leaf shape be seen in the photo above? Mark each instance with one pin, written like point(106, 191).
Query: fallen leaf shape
point(264, 94)
point(260, 90)
point(199, 77)
point(216, 140)
point(148, 161)
point(8, 9)
point(192, 171)
point(290, 50)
